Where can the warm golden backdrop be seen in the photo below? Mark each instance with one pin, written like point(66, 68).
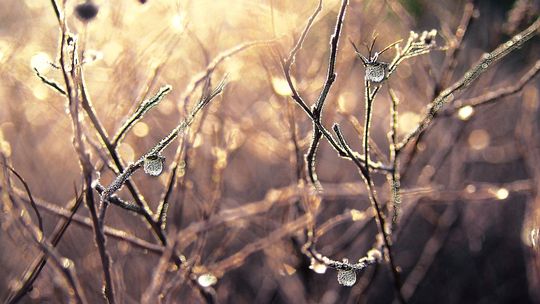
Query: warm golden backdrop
point(469, 227)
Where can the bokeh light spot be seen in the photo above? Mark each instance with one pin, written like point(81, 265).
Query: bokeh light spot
point(207, 280)
point(126, 151)
point(281, 87)
point(407, 122)
point(478, 139)
point(140, 129)
point(502, 193)
point(465, 112)
point(41, 62)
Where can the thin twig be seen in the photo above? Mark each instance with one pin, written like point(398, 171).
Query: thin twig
point(144, 107)
point(373, 199)
point(31, 275)
point(394, 177)
point(432, 247)
point(71, 77)
point(494, 95)
point(483, 64)
point(123, 177)
point(30, 198)
point(53, 84)
point(318, 129)
point(20, 216)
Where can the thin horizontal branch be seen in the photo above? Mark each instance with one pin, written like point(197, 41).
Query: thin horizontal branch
point(273, 198)
point(238, 258)
point(87, 222)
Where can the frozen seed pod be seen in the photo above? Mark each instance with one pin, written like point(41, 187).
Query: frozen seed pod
point(86, 11)
point(376, 71)
point(153, 165)
point(346, 277)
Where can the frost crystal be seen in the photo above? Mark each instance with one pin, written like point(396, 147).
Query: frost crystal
point(153, 165)
point(346, 277)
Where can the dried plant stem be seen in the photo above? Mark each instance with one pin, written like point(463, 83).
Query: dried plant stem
point(370, 97)
point(87, 106)
point(30, 197)
point(124, 176)
point(71, 72)
point(448, 68)
point(432, 247)
point(315, 114)
point(21, 217)
point(31, 275)
point(494, 95)
point(450, 59)
point(319, 104)
point(63, 265)
point(201, 77)
point(238, 258)
point(380, 219)
point(375, 204)
point(153, 291)
point(50, 83)
point(143, 209)
point(144, 107)
point(394, 177)
point(367, 124)
point(485, 62)
point(100, 240)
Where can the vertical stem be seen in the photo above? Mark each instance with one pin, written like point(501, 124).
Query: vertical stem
point(394, 176)
point(367, 123)
point(372, 195)
point(108, 289)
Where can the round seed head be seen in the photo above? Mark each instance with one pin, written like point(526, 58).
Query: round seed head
point(346, 277)
point(153, 165)
point(86, 11)
point(376, 71)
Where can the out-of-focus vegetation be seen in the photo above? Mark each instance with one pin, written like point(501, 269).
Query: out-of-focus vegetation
point(239, 206)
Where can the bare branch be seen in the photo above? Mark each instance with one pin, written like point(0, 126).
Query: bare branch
point(483, 64)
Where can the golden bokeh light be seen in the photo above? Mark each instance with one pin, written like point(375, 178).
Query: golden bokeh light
point(502, 193)
point(238, 201)
point(357, 215)
point(478, 139)
point(407, 121)
point(141, 129)
point(346, 103)
point(127, 152)
point(178, 21)
point(281, 86)
point(41, 61)
point(465, 113)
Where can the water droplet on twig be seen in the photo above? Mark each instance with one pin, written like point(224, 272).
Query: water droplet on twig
point(153, 165)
